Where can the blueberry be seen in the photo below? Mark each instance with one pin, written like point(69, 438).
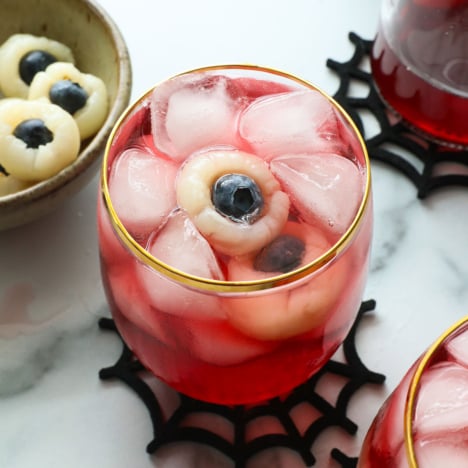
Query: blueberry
point(33, 132)
point(68, 95)
point(283, 254)
point(237, 197)
point(33, 62)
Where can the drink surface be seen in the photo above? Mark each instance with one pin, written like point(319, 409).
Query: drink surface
point(440, 429)
point(420, 65)
point(234, 179)
point(237, 163)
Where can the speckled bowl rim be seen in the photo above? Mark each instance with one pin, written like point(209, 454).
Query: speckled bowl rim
point(95, 148)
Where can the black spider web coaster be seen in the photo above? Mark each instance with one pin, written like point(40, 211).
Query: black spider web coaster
point(428, 165)
point(241, 445)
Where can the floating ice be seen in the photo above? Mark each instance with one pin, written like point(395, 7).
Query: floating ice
point(208, 336)
point(290, 123)
point(110, 248)
point(132, 300)
point(141, 188)
point(323, 187)
point(442, 452)
point(457, 348)
point(214, 341)
point(389, 436)
point(442, 403)
point(180, 245)
point(208, 339)
point(191, 113)
point(246, 89)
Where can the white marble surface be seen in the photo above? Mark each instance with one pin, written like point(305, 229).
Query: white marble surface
point(54, 410)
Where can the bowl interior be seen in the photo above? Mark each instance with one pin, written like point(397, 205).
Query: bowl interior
point(99, 48)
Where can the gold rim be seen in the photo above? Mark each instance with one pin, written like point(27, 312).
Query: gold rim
point(410, 405)
point(235, 286)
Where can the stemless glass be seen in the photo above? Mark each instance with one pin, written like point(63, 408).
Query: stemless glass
point(420, 66)
point(201, 310)
point(424, 422)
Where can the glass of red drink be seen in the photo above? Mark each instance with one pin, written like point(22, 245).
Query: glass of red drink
point(235, 220)
point(420, 66)
point(424, 422)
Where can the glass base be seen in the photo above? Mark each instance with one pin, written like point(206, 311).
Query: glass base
point(235, 442)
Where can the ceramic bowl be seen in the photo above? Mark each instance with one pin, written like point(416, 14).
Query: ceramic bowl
point(99, 49)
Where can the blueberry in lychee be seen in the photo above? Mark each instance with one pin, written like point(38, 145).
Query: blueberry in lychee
point(283, 254)
point(34, 62)
point(33, 132)
point(237, 197)
point(68, 95)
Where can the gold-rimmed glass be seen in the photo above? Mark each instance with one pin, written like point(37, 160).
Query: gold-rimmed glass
point(390, 441)
point(183, 351)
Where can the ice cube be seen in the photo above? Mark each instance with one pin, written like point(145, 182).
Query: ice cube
point(180, 245)
point(247, 89)
point(219, 344)
point(290, 123)
point(442, 403)
point(211, 340)
point(192, 113)
point(214, 341)
point(111, 248)
point(457, 348)
point(442, 452)
point(389, 424)
point(323, 187)
point(133, 302)
point(141, 187)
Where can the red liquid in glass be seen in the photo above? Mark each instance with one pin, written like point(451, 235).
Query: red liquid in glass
point(271, 374)
point(420, 65)
point(384, 445)
point(197, 354)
